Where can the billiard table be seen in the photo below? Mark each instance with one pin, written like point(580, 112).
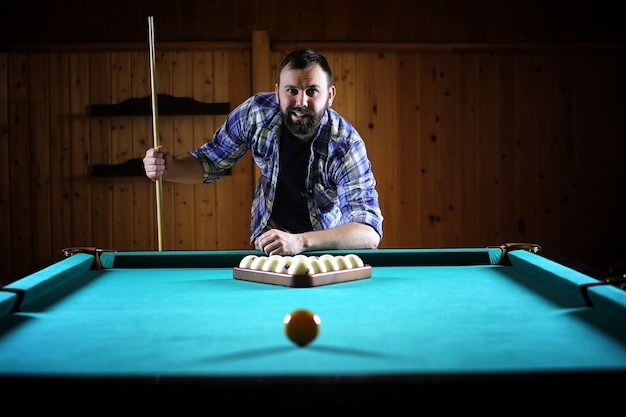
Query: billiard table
point(502, 322)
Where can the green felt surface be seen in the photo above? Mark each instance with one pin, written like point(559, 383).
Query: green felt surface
point(403, 320)
point(7, 302)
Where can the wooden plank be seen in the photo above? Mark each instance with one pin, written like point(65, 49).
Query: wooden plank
point(203, 129)
point(466, 142)
point(505, 137)
point(143, 189)
point(184, 198)
point(60, 153)
point(121, 138)
point(567, 199)
point(20, 166)
point(525, 214)
point(243, 172)
point(489, 163)
point(546, 156)
point(366, 107)
point(448, 168)
point(428, 211)
point(40, 183)
point(224, 185)
point(6, 249)
point(100, 150)
point(79, 150)
point(387, 170)
point(599, 150)
point(261, 70)
point(409, 190)
point(343, 66)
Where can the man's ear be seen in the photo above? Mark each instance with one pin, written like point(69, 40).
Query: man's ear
point(332, 91)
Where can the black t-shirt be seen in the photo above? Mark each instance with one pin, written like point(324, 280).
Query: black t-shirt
point(290, 210)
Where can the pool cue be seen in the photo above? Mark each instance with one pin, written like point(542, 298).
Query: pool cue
point(155, 131)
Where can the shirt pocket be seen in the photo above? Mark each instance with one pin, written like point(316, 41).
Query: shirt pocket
point(325, 198)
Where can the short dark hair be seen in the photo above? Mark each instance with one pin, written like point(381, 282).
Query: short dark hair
point(304, 58)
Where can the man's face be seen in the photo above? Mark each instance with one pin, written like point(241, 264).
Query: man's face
point(304, 96)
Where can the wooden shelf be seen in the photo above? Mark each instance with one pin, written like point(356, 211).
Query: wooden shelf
point(131, 168)
point(167, 105)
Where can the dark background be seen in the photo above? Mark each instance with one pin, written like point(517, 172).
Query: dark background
point(474, 21)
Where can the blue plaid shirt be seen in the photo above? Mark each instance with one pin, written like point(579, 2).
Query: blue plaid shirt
point(340, 183)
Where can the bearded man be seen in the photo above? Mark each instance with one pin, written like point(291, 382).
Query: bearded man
point(316, 190)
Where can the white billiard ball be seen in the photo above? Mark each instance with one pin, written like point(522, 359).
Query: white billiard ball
point(258, 262)
point(317, 265)
point(330, 262)
point(247, 261)
point(343, 262)
point(274, 264)
point(299, 267)
point(356, 260)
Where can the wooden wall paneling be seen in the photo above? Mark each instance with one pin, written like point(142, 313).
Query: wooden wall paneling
point(6, 263)
point(408, 167)
point(614, 94)
point(20, 163)
point(121, 143)
point(242, 172)
point(617, 169)
point(224, 185)
point(489, 160)
point(585, 144)
point(100, 129)
point(428, 148)
point(39, 117)
point(343, 65)
point(386, 65)
point(612, 130)
point(60, 152)
point(468, 205)
point(596, 168)
point(184, 195)
point(566, 172)
point(566, 206)
point(261, 73)
point(505, 137)
point(599, 153)
point(449, 167)
point(164, 82)
point(525, 214)
point(203, 129)
point(79, 143)
point(366, 121)
point(546, 154)
point(143, 189)
point(340, 17)
point(261, 70)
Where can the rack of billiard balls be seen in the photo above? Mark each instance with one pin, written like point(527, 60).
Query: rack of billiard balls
point(301, 264)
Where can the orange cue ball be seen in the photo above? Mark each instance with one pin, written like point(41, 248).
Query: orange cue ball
point(302, 326)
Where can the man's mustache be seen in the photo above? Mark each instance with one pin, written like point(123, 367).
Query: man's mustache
point(301, 111)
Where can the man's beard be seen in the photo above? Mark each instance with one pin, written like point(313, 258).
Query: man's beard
point(306, 127)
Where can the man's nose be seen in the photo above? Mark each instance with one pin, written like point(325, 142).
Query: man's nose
point(302, 99)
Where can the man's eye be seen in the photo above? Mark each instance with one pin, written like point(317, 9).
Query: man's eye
point(311, 92)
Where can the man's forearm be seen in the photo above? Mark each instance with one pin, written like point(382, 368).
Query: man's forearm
point(184, 169)
point(346, 236)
